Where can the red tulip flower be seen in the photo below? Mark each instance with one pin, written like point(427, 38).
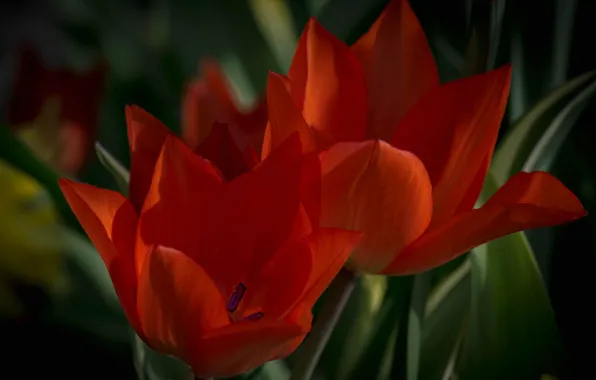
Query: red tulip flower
point(403, 157)
point(56, 110)
point(222, 274)
point(216, 128)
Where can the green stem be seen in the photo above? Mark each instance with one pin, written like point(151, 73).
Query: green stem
point(335, 301)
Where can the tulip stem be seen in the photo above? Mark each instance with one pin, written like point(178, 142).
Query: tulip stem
point(334, 303)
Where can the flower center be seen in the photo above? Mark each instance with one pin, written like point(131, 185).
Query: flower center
point(234, 302)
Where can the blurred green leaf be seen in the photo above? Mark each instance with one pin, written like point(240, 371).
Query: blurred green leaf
point(394, 308)
point(562, 39)
point(354, 327)
point(118, 171)
point(406, 353)
point(447, 309)
point(547, 147)
point(151, 365)
point(14, 151)
point(522, 137)
point(90, 303)
point(512, 332)
point(485, 22)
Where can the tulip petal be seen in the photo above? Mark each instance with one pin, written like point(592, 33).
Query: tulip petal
point(184, 201)
point(328, 85)
point(221, 149)
point(330, 249)
point(299, 273)
point(284, 117)
point(263, 206)
point(398, 64)
point(146, 136)
point(277, 287)
point(526, 201)
point(110, 222)
point(177, 301)
point(452, 130)
point(197, 114)
point(224, 104)
point(242, 346)
point(379, 190)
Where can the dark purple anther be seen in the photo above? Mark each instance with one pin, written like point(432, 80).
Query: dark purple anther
point(253, 317)
point(236, 297)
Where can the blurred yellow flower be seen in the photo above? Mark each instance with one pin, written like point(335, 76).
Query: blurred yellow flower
point(30, 237)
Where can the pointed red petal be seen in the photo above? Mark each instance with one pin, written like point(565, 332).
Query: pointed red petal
point(110, 222)
point(452, 130)
point(284, 117)
point(328, 85)
point(146, 136)
point(398, 64)
point(197, 114)
point(177, 302)
point(526, 201)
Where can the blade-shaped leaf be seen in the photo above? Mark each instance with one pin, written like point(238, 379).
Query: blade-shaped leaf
point(447, 309)
point(512, 331)
point(121, 175)
point(547, 147)
point(354, 327)
point(522, 137)
point(151, 365)
point(394, 308)
point(406, 362)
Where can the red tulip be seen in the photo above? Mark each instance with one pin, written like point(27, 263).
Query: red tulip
point(222, 274)
point(403, 157)
point(210, 100)
point(56, 110)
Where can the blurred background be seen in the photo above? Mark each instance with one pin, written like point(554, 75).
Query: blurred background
point(69, 67)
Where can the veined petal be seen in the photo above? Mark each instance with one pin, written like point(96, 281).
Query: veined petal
point(328, 84)
point(197, 114)
point(452, 130)
point(146, 136)
point(225, 106)
point(398, 64)
point(379, 190)
point(110, 222)
point(330, 249)
point(223, 103)
point(304, 269)
point(177, 301)
point(182, 209)
point(221, 149)
point(242, 346)
point(526, 201)
point(284, 117)
point(263, 206)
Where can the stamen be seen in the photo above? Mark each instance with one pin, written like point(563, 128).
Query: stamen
point(236, 297)
point(253, 317)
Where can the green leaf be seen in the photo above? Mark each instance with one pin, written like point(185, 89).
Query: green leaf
point(15, 152)
point(119, 172)
point(522, 137)
point(447, 309)
point(512, 331)
point(547, 147)
point(485, 32)
point(354, 327)
point(407, 347)
point(394, 308)
point(151, 365)
point(90, 302)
